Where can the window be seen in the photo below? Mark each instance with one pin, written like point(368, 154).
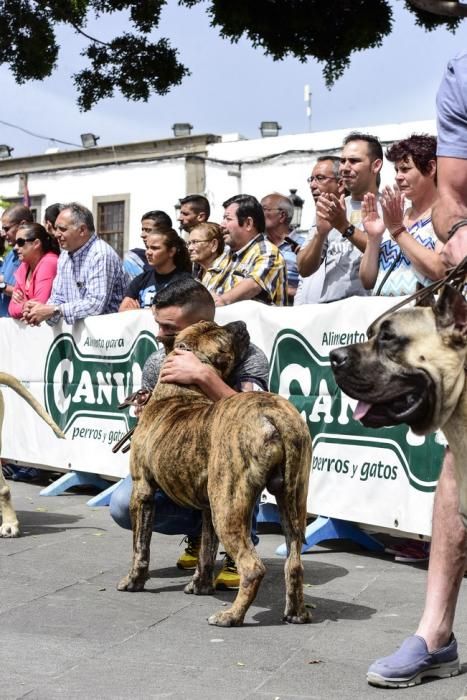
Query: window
point(112, 221)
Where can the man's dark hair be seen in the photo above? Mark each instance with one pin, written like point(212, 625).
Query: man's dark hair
point(51, 213)
point(160, 218)
point(188, 294)
point(198, 203)
point(422, 148)
point(335, 160)
point(375, 149)
point(18, 212)
point(80, 215)
point(248, 206)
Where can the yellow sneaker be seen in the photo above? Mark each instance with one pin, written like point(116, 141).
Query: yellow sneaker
point(189, 558)
point(228, 579)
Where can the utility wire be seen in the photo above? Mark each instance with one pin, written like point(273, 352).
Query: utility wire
point(38, 136)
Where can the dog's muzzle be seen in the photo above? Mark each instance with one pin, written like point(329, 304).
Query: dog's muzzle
point(384, 399)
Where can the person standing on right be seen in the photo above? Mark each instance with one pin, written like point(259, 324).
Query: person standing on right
point(432, 650)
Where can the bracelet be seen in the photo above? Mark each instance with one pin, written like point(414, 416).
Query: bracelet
point(456, 227)
point(397, 232)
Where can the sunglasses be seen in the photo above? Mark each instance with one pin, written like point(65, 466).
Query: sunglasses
point(21, 241)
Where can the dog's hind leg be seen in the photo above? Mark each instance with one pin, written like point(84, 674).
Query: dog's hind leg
point(292, 502)
point(232, 522)
point(142, 519)
point(202, 581)
point(10, 524)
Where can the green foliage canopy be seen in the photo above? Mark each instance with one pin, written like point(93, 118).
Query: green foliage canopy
point(329, 31)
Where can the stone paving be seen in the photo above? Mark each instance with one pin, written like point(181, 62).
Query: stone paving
point(66, 632)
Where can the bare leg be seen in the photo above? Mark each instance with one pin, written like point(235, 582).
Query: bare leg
point(202, 581)
point(448, 558)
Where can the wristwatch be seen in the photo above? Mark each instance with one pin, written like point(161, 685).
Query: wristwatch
point(349, 231)
point(2, 286)
point(57, 314)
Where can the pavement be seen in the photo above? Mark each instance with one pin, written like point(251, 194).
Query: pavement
point(65, 631)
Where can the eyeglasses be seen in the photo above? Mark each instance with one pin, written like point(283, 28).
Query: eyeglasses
point(192, 243)
point(21, 241)
point(320, 178)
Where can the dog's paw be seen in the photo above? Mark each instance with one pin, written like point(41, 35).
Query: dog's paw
point(196, 588)
point(130, 584)
point(9, 529)
point(224, 618)
point(301, 618)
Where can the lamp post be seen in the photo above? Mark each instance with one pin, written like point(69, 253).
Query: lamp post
point(5, 151)
point(89, 140)
point(269, 129)
point(182, 129)
point(298, 203)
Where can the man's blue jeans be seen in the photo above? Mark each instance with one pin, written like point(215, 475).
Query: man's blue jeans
point(169, 518)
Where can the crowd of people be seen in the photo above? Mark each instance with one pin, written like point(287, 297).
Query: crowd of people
point(363, 242)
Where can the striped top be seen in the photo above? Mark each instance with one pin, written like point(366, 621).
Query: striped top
point(403, 277)
point(260, 261)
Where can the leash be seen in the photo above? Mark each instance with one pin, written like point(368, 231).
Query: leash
point(456, 278)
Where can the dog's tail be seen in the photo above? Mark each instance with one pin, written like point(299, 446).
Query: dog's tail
point(291, 497)
point(13, 383)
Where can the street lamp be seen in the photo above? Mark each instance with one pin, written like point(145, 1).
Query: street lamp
point(89, 140)
point(5, 151)
point(298, 203)
point(269, 129)
point(182, 129)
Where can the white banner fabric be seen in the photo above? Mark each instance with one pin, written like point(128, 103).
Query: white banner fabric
point(382, 478)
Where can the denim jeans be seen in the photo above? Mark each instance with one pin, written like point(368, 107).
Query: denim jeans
point(169, 518)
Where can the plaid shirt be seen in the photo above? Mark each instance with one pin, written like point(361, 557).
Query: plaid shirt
point(260, 261)
point(89, 282)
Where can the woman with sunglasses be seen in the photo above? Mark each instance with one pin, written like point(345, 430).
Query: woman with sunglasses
point(205, 244)
point(38, 254)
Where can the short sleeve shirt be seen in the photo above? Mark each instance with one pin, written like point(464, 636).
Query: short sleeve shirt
point(451, 103)
point(259, 260)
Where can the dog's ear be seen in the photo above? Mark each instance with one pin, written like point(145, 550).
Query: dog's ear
point(451, 310)
point(241, 339)
point(426, 300)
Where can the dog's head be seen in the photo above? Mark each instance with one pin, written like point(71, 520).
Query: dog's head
point(223, 347)
point(412, 368)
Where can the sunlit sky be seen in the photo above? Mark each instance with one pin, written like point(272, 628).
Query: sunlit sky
point(233, 87)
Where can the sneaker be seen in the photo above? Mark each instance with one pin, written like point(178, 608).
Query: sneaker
point(189, 558)
point(228, 579)
point(410, 552)
point(412, 662)
point(24, 473)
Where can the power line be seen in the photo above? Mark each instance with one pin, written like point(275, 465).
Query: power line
point(38, 136)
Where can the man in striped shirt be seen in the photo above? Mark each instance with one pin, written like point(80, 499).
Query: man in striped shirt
point(252, 268)
point(90, 277)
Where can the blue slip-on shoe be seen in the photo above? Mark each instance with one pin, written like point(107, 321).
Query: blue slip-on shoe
point(412, 662)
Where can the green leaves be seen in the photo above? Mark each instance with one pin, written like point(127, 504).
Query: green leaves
point(138, 65)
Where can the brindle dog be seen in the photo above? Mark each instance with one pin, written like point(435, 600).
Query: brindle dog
point(10, 525)
point(413, 370)
point(218, 457)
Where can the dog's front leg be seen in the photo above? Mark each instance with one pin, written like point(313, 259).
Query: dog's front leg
point(142, 519)
point(10, 524)
point(202, 581)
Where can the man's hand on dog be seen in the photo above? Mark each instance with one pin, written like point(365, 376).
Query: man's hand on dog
point(182, 367)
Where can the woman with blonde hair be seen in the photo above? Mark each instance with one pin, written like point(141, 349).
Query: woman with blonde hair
point(205, 244)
